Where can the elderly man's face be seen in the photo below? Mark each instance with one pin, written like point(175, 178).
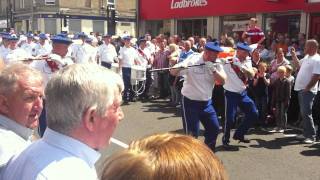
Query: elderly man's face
point(24, 105)
point(108, 123)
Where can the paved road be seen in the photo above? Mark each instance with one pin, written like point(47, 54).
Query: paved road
point(267, 157)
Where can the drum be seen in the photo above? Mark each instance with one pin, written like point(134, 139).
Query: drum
point(138, 73)
point(115, 67)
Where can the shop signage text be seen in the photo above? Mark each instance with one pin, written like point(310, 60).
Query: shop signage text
point(187, 3)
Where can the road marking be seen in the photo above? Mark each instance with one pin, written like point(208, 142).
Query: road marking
point(119, 143)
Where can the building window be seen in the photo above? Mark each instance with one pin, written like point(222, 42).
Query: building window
point(110, 1)
point(87, 4)
point(50, 2)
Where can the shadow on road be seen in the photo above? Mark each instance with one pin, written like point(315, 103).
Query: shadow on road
point(277, 143)
point(314, 152)
point(163, 107)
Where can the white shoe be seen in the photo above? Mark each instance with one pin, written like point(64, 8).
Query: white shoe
point(273, 130)
point(300, 137)
point(308, 141)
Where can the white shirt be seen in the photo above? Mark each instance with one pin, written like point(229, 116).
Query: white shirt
point(13, 139)
point(199, 81)
point(46, 71)
point(107, 53)
point(43, 50)
point(144, 55)
point(233, 83)
point(309, 65)
point(128, 55)
point(3, 51)
point(55, 156)
point(15, 55)
point(81, 53)
point(30, 48)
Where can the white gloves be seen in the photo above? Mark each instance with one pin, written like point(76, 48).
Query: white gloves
point(211, 66)
point(237, 62)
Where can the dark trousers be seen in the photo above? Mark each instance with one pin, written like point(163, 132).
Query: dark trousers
point(163, 78)
point(148, 83)
point(42, 121)
point(316, 112)
point(126, 75)
point(194, 112)
point(234, 100)
point(262, 106)
point(106, 65)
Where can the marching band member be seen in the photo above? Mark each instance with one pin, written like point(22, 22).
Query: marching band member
point(146, 60)
point(128, 57)
point(14, 53)
point(4, 45)
point(81, 52)
point(107, 52)
point(197, 92)
point(238, 71)
point(43, 48)
point(56, 60)
point(29, 46)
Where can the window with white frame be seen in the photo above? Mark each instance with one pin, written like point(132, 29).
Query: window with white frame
point(50, 2)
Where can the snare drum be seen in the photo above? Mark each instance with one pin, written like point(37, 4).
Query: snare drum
point(138, 73)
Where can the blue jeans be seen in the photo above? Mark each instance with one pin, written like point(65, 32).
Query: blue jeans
point(306, 102)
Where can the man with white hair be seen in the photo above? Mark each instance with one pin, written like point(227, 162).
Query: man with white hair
point(83, 112)
point(21, 93)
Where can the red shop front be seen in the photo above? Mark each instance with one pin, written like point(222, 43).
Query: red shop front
point(207, 16)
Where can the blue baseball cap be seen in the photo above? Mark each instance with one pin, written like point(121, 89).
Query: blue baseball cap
point(61, 38)
point(43, 36)
point(213, 46)
point(244, 46)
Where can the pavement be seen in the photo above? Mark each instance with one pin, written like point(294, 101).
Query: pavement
point(268, 156)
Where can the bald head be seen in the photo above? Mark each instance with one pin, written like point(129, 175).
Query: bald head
point(311, 47)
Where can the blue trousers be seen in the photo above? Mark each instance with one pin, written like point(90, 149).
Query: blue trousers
point(203, 111)
point(234, 100)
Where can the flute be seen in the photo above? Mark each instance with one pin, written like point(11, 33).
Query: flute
point(202, 64)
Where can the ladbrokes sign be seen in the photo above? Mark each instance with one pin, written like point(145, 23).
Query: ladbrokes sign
point(180, 4)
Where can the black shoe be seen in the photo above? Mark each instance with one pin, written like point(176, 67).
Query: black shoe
point(244, 140)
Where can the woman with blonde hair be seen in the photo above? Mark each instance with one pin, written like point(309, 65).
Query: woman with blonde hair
point(164, 156)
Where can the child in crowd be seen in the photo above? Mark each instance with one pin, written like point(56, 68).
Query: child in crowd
point(289, 76)
point(260, 86)
point(173, 58)
point(280, 99)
